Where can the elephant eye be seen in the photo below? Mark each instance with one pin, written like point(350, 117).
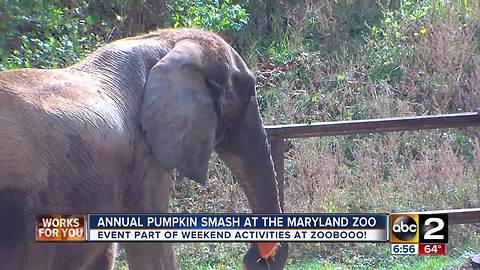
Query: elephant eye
point(215, 88)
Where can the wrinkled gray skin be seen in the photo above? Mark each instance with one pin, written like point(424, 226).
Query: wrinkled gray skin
point(103, 135)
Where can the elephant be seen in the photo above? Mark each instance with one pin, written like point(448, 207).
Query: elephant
point(104, 135)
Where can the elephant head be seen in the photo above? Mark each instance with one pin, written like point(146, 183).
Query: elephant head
point(200, 97)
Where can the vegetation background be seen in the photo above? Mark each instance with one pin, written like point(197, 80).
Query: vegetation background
point(314, 61)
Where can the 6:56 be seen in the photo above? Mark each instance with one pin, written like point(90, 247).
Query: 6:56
point(404, 249)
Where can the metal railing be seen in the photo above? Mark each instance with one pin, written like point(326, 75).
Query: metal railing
point(277, 135)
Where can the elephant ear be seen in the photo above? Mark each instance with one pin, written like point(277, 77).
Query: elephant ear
point(178, 113)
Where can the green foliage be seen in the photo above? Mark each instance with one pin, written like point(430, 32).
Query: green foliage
point(282, 51)
point(388, 42)
point(391, 41)
point(214, 15)
point(46, 34)
point(463, 144)
point(53, 34)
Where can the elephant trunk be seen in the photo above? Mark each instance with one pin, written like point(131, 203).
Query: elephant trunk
point(247, 153)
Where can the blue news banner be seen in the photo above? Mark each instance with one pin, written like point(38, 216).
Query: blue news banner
point(238, 227)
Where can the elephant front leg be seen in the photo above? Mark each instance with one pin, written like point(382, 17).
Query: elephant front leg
point(150, 194)
point(150, 256)
point(105, 259)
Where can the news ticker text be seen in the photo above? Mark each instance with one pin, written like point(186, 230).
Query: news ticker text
point(407, 233)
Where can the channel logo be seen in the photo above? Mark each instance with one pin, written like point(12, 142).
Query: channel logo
point(418, 228)
point(404, 228)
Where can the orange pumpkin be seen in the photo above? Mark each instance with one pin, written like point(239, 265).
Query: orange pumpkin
point(268, 249)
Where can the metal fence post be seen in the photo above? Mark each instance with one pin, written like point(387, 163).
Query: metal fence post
point(277, 146)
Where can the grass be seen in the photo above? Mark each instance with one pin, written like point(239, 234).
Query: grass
point(312, 263)
point(425, 263)
point(337, 256)
point(464, 241)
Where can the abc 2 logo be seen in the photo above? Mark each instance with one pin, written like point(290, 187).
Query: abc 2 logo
point(418, 228)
